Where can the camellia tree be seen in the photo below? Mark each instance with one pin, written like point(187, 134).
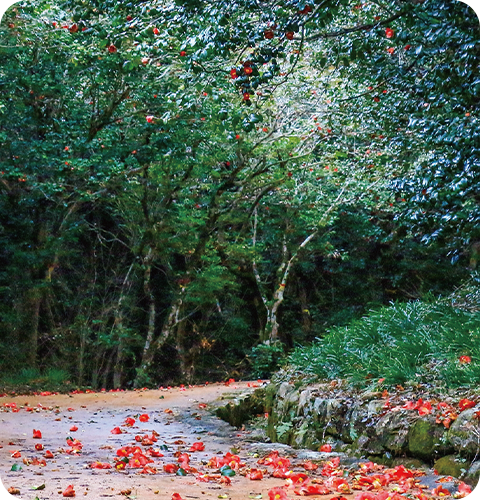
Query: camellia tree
point(142, 143)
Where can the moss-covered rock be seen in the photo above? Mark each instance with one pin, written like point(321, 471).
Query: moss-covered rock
point(243, 408)
point(451, 465)
point(427, 440)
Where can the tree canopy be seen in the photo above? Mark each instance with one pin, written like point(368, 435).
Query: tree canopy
point(183, 180)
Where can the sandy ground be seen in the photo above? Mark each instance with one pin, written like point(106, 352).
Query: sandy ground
point(96, 415)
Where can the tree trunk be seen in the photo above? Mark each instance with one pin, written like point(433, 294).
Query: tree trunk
point(30, 320)
point(147, 288)
point(119, 329)
point(167, 332)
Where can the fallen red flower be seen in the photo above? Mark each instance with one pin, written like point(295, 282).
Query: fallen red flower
point(277, 494)
point(326, 448)
point(312, 489)
point(440, 491)
point(170, 468)
point(338, 484)
point(100, 465)
point(176, 496)
point(48, 454)
point(69, 491)
point(463, 490)
point(116, 430)
point(298, 478)
point(464, 404)
point(129, 421)
point(37, 434)
point(254, 475)
point(308, 465)
point(198, 446)
point(148, 470)
point(39, 446)
point(74, 428)
point(144, 417)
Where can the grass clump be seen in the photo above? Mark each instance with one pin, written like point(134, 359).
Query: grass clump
point(421, 342)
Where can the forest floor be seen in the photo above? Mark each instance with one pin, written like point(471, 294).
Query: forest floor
point(77, 430)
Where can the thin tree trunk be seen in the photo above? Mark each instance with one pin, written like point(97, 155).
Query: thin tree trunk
point(147, 288)
point(31, 314)
point(167, 331)
point(118, 328)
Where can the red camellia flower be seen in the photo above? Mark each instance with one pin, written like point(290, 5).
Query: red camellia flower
point(425, 409)
point(463, 490)
point(464, 404)
point(277, 494)
point(130, 421)
point(440, 491)
point(156, 31)
point(248, 70)
point(233, 73)
point(69, 491)
point(143, 418)
point(74, 428)
point(269, 34)
point(199, 446)
point(39, 447)
point(312, 489)
point(116, 430)
point(170, 468)
point(48, 454)
point(246, 96)
point(120, 465)
point(37, 434)
point(149, 119)
point(389, 33)
point(407, 47)
point(254, 475)
point(391, 50)
point(237, 136)
point(465, 360)
point(112, 49)
point(183, 53)
point(289, 35)
point(176, 496)
point(326, 448)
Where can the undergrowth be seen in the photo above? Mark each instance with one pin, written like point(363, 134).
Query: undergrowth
point(417, 342)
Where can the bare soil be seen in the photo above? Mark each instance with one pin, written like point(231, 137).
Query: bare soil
point(96, 415)
point(180, 416)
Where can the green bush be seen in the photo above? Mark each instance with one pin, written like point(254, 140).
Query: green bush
point(266, 358)
point(410, 342)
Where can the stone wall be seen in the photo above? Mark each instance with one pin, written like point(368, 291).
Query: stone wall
point(361, 426)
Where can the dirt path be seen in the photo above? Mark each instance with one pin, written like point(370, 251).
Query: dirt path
point(96, 415)
point(178, 417)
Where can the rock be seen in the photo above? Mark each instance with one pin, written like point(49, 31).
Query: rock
point(464, 434)
point(243, 408)
point(451, 465)
point(409, 463)
point(392, 431)
point(472, 476)
point(427, 440)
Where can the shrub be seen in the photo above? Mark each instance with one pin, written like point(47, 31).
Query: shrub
point(409, 342)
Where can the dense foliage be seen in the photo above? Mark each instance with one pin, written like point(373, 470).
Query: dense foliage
point(182, 181)
point(416, 342)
